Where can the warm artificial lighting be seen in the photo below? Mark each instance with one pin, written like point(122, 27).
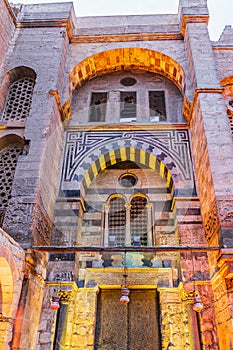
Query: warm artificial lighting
point(125, 295)
point(197, 305)
point(55, 303)
point(124, 290)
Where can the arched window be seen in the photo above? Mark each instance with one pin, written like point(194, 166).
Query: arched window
point(16, 94)
point(116, 221)
point(139, 220)
point(8, 161)
point(128, 223)
point(19, 99)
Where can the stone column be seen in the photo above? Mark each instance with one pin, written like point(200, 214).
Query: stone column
point(128, 237)
point(223, 296)
point(193, 320)
point(149, 225)
point(174, 320)
point(63, 328)
point(106, 227)
point(83, 335)
point(113, 107)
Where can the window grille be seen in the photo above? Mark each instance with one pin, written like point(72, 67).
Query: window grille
point(230, 117)
point(8, 161)
point(117, 222)
point(138, 221)
point(19, 99)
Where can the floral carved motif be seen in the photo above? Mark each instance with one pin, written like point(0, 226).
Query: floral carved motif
point(211, 222)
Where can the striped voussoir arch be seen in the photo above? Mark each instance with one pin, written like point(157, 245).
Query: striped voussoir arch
point(138, 156)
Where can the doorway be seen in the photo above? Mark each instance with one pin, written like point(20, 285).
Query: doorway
point(132, 326)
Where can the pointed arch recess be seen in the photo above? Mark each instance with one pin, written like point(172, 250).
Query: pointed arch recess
point(126, 153)
point(126, 59)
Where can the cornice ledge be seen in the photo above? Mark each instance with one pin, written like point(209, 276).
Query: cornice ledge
point(186, 19)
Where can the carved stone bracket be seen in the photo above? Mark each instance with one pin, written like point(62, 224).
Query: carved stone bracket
point(65, 295)
point(188, 296)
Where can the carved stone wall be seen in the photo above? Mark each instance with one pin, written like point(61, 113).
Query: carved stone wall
point(174, 321)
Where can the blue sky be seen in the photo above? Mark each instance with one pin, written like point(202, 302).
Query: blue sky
point(221, 11)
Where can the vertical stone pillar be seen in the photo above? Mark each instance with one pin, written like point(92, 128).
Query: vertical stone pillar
point(213, 156)
point(106, 224)
point(207, 317)
point(128, 228)
point(149, 225)
point(63, 327)
point(83, 335)
point(30, 304)
point(195, 343)
point(174, 319)
point(113, 106)
point(223, 293)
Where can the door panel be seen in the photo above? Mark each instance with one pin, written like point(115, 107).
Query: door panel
point(143, 325)
point(132, 326)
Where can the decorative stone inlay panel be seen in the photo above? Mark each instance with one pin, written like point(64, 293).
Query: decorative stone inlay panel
point(169, 147)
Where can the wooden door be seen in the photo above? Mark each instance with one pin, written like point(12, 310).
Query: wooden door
point(132, 326)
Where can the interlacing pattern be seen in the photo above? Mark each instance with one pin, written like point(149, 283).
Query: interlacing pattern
point(19, 99)
point(8, 161)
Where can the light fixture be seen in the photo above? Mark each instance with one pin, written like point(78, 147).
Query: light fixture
point(55, 303)
point(197, 304)
point(124, 299)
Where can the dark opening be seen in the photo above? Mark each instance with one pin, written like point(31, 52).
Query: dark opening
point(128, 107)
point(157, 106)
point(98, 107)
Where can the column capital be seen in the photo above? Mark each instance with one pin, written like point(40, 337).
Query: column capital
point(65, 295)
point(128, 206)
point(106, 208)
point(188, 296)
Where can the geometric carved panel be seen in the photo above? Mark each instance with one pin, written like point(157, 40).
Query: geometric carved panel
point(171, 147)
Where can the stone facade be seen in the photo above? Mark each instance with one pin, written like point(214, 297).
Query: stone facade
point(116, 171)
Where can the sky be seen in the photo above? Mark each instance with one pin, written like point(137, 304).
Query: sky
point(221, 11)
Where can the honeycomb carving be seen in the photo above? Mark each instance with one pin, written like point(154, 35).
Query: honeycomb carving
point(8, 161)
point(19, 100)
